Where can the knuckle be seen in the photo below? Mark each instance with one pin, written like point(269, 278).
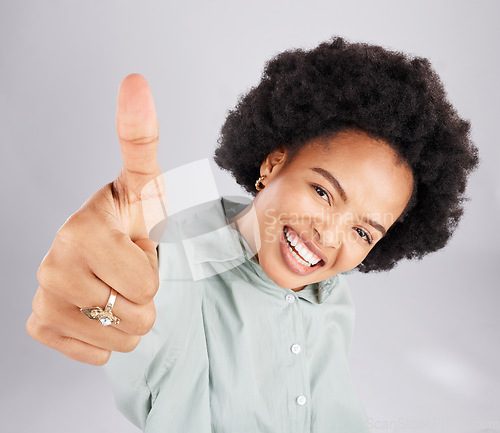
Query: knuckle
point(33, 328)
point(145, 286)
point(130, 344)
point(42, 274)
point(145, 294)
point(80, 350)
point(145, 322)
point(44, 306)
point(151, 285)
point(39, 331)
point(146, 139)
point(73, 232)
point(46, 274)
point(39, 306)
point(155, 283)
point(99, 358)
point(67, 232)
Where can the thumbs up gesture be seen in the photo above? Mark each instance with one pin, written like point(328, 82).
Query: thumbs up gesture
point(105, 245)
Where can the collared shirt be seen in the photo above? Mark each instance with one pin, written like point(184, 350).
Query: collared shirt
point(231, 351)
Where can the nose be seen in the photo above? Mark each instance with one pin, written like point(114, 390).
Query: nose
point(329, 238)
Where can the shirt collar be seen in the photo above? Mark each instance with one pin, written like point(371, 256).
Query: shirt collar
point(213, 246)
point(210, 237)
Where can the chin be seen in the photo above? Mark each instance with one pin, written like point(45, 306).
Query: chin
point(279, 274)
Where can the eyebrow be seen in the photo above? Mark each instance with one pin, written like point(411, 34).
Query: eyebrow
point(376, 225)
point(331, 178)
point(336, 184)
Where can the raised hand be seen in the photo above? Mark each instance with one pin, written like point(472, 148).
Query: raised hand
point(105, 245)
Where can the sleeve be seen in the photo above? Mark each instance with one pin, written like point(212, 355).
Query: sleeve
point(126, 372)
point(136, 377)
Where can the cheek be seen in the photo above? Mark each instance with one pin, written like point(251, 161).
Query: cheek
point(350, 257)
point(297, 199)
point(279, 200)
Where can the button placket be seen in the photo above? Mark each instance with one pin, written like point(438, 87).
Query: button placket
point(298, 386)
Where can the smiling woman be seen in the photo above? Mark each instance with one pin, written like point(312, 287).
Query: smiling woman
point(356, 160)
point(335, 200)
point(395, 99)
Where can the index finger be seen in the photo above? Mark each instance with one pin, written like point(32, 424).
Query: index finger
point(131, 268)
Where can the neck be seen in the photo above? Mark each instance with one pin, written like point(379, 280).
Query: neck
point(247, 224)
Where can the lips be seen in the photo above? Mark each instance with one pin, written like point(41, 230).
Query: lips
point(291, 262)
point(310, 245)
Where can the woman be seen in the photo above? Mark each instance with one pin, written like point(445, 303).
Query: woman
point(356, 160)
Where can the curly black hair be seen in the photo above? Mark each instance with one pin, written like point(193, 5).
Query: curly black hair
point(392, 96)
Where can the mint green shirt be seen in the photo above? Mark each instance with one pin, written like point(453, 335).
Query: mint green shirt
point(231, 351)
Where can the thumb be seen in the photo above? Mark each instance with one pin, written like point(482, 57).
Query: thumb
point(137, 128)
point(139, 185)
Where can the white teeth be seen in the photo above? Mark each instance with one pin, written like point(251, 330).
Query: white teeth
point(304, 252)
point(308, 256)
point(299, 259)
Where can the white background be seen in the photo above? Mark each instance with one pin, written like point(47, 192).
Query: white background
point(425, 354)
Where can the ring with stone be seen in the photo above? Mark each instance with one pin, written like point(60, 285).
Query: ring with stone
point(106, 316)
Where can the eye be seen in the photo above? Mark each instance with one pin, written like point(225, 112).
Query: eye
point(322, 193)
point(363, 235)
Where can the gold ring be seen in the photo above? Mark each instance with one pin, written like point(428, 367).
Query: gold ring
point(106, 316)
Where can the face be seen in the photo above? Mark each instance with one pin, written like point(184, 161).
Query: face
point(323, 212)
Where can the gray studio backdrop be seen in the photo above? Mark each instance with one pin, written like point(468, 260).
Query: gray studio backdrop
point(425, 354)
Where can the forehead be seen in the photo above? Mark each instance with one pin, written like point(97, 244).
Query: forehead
point(348, 146)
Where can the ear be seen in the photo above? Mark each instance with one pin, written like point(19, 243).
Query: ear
point(274, 162)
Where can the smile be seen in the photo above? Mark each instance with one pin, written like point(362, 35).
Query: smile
point(299, 250)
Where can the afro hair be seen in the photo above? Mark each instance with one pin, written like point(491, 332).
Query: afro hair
point(390, 95)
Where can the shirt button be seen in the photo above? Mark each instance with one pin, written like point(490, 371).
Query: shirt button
point(290, 298)
point(295, 349)
point(301, 400)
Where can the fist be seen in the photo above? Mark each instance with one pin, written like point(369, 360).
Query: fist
point(105, 245)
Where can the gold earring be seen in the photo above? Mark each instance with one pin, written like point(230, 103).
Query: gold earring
point(258, 184)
